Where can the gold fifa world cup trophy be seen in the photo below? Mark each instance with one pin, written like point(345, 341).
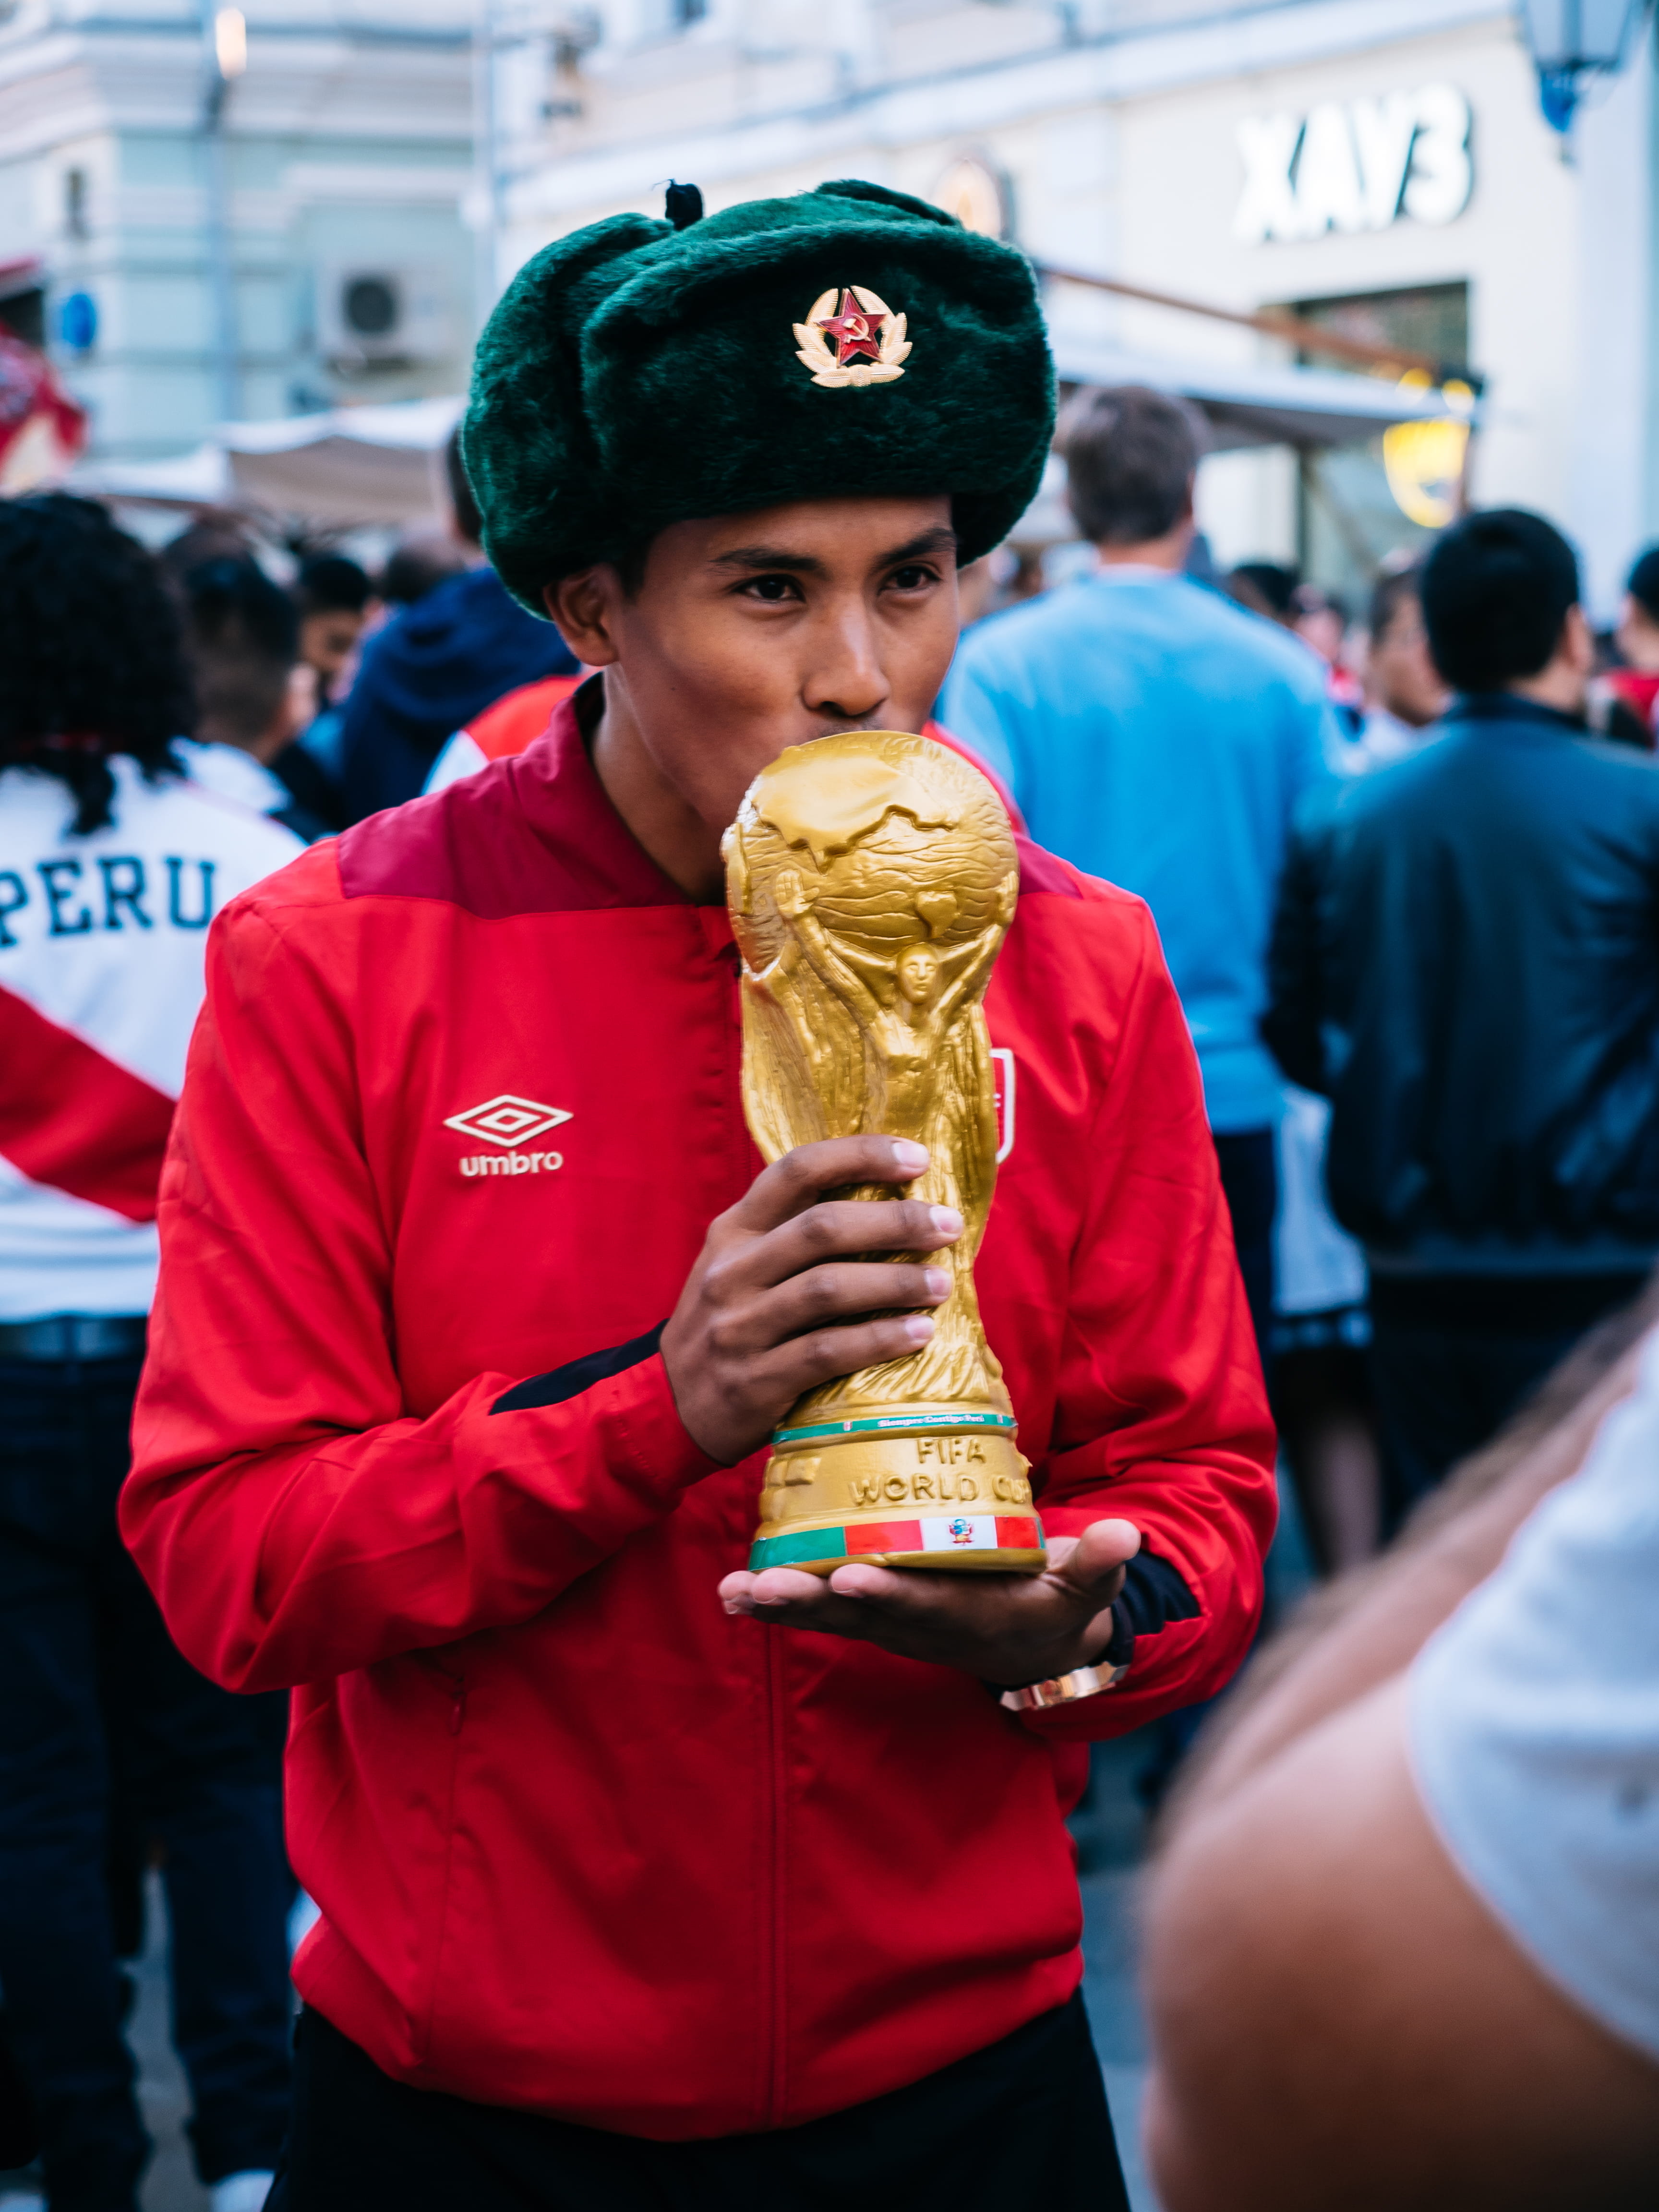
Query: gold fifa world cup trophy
point(871, 878)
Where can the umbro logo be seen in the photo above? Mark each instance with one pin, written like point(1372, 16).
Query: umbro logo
point(507, 1119)
point(508, 1122)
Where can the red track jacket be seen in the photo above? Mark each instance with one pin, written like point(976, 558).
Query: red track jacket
point(580, 1841)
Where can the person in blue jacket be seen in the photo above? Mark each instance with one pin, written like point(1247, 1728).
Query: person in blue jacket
point(1157, 735)
point(436, 665)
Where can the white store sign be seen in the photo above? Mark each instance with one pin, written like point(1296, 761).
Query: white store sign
point(1356, 164)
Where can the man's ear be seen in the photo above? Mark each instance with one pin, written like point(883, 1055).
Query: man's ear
point(584, 608)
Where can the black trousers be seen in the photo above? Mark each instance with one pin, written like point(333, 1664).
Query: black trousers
point(1454, 1356)
point(1023, 2123)
point(1249, 1180)
point(109, 1740)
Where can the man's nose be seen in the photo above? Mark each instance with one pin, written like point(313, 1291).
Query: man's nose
point(847, 682)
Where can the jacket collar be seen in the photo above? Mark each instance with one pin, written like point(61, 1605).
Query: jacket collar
point(569, 811)
point(1510, 709)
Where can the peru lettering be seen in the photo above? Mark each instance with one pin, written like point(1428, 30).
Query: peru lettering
point(106, 891)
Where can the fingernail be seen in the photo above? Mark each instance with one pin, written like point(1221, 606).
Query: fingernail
point(946, 1220)
point(918, 1328)
point(938, 1282)
point(911, 1158)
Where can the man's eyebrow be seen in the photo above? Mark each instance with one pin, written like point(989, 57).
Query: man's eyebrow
point(762, 559)
point(769, 558)
point(939, 539)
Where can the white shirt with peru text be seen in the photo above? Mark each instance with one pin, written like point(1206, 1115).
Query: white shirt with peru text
point(102, 942)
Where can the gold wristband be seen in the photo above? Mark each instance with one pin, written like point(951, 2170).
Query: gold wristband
point(1063, 1689)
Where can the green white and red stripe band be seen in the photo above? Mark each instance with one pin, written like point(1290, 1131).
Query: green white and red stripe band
point(890, 1424)
point(961, 1533)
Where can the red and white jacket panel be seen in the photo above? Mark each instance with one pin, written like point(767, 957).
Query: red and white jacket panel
point(581, 1843)
point(102, 941)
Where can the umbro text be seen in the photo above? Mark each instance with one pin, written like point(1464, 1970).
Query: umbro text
point(510, 1164)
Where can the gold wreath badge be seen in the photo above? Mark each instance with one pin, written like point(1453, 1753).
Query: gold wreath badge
point(869, 340)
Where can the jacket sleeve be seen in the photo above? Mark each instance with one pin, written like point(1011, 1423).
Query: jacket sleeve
point(295, 1520)
point(1292, 1026)
point(1161, 1416)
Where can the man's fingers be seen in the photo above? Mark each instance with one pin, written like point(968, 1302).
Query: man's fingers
point(787, 1598)
point(800, 1178)
point(1091, 1558)
point(825, 1297)
point(840, 1228)
point(803, 1362)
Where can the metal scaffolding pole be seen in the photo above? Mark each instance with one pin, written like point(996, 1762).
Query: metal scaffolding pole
point(224, 56)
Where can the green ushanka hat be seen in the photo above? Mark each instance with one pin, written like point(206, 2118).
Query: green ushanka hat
point(846, 340)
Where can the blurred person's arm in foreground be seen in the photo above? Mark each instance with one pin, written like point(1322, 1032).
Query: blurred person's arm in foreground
point(1338, 2017)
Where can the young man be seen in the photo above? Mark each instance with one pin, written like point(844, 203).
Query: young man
point(646, 1881)
point(1467, 962)
point(1157, 736)
point(251, 693)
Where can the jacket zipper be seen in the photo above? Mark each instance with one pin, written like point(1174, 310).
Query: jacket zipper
point(456, 1686)
point(776, 2090)
point(773, 1954)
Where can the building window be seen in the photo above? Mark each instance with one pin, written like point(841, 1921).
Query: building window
point(683, 13)
point(1348, 518)
point(75, 203)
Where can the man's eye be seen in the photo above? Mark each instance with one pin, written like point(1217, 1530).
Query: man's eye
point(913, 577)
point(772, 588)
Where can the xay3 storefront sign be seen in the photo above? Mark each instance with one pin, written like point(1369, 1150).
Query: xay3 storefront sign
point(1356, 164)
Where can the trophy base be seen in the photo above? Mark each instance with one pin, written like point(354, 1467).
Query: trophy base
point(982, 1544)
point(940, 1487)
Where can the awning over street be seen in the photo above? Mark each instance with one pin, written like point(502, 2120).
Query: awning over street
point(383, 464)
point(350, 465)
point(1264, 403)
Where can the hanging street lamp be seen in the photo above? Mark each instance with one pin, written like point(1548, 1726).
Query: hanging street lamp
point(1572, 41)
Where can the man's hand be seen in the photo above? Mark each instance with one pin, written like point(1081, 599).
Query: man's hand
point(780, 1297)
point(1010, 1629)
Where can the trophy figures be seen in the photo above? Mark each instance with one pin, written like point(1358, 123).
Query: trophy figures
point(871, 878)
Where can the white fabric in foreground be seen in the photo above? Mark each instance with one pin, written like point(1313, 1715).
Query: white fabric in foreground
point(1535, 1728)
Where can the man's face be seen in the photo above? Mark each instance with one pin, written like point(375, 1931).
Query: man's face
point(326, 638)
point(1638, 636)
point(758, 631)
point(1399, 673)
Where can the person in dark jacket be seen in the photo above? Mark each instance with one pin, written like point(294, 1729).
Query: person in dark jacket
point(437, 664)
point(1466, 960)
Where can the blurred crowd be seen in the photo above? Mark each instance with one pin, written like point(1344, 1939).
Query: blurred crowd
point(322, 702)
point(1404, 862)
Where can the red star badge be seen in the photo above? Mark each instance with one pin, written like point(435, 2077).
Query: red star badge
point(852, 330)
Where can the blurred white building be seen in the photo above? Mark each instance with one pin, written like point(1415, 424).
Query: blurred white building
point(1382, 165)
point(337, 181)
